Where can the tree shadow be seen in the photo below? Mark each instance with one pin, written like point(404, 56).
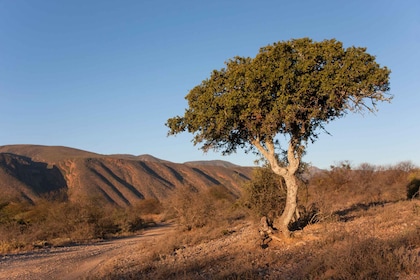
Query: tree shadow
point(345, 214)
point(306, 217)
point(313, 215)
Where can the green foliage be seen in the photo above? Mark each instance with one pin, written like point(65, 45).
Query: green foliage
point(265, 193)
point(292, 87)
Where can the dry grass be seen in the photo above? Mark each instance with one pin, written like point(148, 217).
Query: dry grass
point(55, 223)
point(367, 229)
point(355, 249)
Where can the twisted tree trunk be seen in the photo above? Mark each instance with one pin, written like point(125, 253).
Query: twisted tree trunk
point(282, 222)
point(288, 174)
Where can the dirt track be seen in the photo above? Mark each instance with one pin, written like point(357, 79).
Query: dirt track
point(74, 262)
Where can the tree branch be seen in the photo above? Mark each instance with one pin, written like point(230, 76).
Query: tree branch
point(293, 159)
point(270, 154)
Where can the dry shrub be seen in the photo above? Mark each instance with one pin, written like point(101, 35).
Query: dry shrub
point(413, 187)
point(148, 206)
point(211, 208)
point(55, 222)
point(343, 186)
point(265, 193)
point(358, 258)
point(191, 209)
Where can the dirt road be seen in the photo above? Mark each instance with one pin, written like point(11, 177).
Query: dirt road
point(75, 262)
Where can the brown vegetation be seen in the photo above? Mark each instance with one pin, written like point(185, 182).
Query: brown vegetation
point(55, 222)
point(355, 223)
point(365, 228)
point(58, 195)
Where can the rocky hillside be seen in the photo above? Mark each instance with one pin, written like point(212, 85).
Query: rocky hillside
point(30, 171)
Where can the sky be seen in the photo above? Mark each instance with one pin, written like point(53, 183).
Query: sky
point(104, 76)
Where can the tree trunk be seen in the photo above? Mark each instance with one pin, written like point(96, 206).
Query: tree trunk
point(288, 174)
point(282, 222)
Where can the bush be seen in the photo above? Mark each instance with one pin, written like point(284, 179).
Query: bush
point(265, 193)
point(194, 209)
point(49, 222)
point(149, 206)
point(343, 186)
point(413, 189)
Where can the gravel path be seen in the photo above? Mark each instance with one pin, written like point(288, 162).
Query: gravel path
point(73, 262)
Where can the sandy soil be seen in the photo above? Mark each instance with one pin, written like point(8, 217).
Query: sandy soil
point(75, 262)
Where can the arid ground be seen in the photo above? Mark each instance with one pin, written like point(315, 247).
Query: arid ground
point(385, 235)
point(93, 221)
point(77, 262)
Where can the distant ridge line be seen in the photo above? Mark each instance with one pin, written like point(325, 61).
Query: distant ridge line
point(29, 172)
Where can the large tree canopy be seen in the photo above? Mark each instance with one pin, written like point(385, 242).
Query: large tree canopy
point(290, 88)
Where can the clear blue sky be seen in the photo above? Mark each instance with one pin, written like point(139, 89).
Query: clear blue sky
point(104, 76)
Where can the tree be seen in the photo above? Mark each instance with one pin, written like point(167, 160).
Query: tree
point(291, 88)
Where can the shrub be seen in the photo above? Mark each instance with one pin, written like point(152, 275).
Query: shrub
point(265, 193)
point(369, 258)
point(148, 206)
point(343, 186)
point(57, 222)
point(194, 209)
point(413, 189)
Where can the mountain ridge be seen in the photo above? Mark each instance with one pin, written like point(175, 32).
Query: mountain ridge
point(29, 172)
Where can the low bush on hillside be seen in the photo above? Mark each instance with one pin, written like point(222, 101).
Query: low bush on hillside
point(212, 208)
point(53, 222)
point(344, 186)
point(200, 216)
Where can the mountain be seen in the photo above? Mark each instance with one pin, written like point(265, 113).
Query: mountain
point(221, 163)
point(28, 172)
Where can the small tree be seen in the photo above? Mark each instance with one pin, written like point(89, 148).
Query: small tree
point(291, 88)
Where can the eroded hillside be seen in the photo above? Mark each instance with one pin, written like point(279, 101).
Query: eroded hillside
point(30, 171)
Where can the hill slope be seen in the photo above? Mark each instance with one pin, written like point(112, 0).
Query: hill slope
point(30, 171)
